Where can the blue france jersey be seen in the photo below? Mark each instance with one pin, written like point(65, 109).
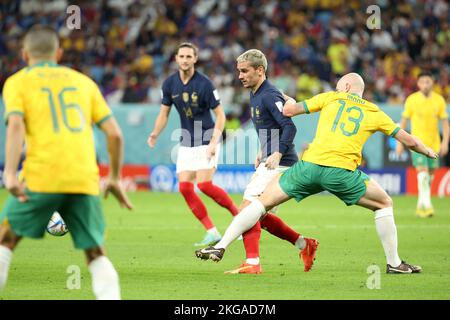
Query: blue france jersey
point(194, 102)
point(275, 131)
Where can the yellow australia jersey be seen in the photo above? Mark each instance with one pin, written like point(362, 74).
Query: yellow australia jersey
point(346, 122)
point(59, 106)
point(425, 114)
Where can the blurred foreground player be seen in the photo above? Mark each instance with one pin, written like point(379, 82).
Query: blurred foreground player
point(52, 109)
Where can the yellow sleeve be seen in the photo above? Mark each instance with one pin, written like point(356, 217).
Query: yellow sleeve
point(407, 113)
point(442, 109)
point(317, 102)
point(13, 98)
point(385, 124)
point(100, 110)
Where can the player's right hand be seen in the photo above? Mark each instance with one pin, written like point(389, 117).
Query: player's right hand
point(113, 186)
point(16, 187)
point(151, 141)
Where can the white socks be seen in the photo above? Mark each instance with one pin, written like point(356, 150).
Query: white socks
point(252, 261)
point(423, 185)
point(105, 280)
point(213, 231)
point(246, 219)
point(300, 243)
point(5, 261)
point(387, 232)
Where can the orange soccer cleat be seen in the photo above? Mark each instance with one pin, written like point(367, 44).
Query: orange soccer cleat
point(246, 268)
point(308, 254)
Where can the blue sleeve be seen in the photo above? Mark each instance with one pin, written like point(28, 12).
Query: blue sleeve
point(274, 104)
point(166, 98)
point(211, 97)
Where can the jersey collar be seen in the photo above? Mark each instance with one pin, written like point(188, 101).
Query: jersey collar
point(51, 64)
point(263, 84)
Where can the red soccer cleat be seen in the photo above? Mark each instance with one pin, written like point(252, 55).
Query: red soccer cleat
point(246, 269)
point(308, 254)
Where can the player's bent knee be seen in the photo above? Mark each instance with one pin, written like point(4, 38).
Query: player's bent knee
point(388, 202)
point(385, 203)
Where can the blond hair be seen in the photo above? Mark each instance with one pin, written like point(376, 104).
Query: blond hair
point(255, 57)
point(41, 41)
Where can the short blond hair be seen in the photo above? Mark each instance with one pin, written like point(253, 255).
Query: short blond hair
point(41, 41)
point(255, 57)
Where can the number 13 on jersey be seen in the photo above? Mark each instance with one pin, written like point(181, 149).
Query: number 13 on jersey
point(355, 115)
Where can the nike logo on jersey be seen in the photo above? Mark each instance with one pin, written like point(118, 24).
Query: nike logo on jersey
point(175, 96)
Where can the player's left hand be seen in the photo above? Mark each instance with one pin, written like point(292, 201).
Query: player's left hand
point(16, 187)
point(273, 160)
point(431, 154)
point(210, 151)
point(113, 186)
point(444, 150)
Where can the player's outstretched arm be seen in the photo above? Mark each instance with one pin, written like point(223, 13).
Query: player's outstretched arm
point(292, 108)
point(160, 124)
point(414, 144)
point(403, 124)
point(115, 150)
point(15, 137)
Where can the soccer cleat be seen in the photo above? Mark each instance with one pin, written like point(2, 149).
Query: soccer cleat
point(429, 212)
point(404, 267)
point(210, 253)
point(308, 254)
point(210, 239)
point(422, 212)
point(246, 268)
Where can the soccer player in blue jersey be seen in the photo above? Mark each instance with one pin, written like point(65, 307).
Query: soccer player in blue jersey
point(194, 96)
point(276, 134)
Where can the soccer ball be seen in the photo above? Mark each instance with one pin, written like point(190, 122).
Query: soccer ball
point(56, 226)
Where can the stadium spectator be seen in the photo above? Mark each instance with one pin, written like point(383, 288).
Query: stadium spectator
point(331, 37)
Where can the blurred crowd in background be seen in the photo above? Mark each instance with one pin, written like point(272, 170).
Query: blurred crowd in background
point(128, 46)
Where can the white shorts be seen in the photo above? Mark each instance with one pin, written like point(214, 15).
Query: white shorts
point(260, 180)
point(194, 158)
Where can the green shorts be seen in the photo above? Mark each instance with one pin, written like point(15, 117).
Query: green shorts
point(420, 160)
point(82, 213)
point(305, 178)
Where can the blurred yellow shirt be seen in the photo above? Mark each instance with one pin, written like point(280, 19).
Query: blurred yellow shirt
point(346, 122)
point(59, 106)
point(425, 113)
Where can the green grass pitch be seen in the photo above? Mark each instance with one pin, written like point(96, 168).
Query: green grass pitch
point(152, 249)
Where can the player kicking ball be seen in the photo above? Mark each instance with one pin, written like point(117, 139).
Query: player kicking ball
point(330, 163)
point(276, 134)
